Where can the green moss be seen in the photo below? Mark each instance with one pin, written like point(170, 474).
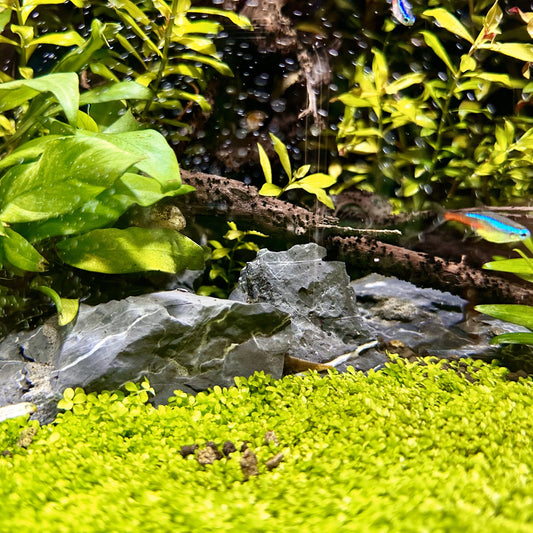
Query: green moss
point(416, 447)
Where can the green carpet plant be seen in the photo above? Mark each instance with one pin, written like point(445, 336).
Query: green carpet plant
point(431, 446)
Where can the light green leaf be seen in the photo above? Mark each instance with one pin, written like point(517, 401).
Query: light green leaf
point(319, 179)
point(124, 90)
point(202, 45)
point(67, 38)
point(265, 163)
point(513, 338)
point(449, 22)
point(467, 63)
point(269, 189)
point(198, 98)
point(20, 253)
point(301, 172)
point(519, 266)
point(283, 155)
point(64, 86)
point(434, 43)
point(132, 10)
point(516, 314)
point(87, 123)
point(379, 69)
point(71, 171)
point(152, 155)
point(121, 251)
point(218, 65)
point(522, 51)
point(67, 308)
point(238, 20)
point(405, 81)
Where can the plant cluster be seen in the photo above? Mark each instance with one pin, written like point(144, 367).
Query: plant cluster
point(74, 162)
point(429, 446)
point(226, 260)
point(521, 315)
point(436, 133)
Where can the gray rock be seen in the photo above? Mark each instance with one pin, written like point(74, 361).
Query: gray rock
point(325, 321)
point(425, 320)
point(177, 340)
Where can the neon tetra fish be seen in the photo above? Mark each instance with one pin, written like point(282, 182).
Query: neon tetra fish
point(491, 227)
point(402, 12)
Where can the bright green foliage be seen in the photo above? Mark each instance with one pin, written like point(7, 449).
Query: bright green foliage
point(521, 315)
point(75, 182)
point(228, 259)
point(415, 447)
point(312, 183)
point(434, 135)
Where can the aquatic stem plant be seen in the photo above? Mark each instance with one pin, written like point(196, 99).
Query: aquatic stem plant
point(436, 137)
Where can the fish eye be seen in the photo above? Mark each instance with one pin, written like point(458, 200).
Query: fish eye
point(524, 233)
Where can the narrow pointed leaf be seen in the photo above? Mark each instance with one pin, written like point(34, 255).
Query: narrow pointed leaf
point(283, 155)
point(265, 163)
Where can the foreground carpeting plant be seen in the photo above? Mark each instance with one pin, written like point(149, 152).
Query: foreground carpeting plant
point(415, 447)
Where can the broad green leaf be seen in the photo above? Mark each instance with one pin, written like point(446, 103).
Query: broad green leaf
point(29, 151)
point(238, 20)
point(449, 22)
point(522, 51)
point(269, 189)
point(121, 251)
point(67, 308)
point(71, 171)
point(125, 123)
point(152, 153)
point(434, 43)
point(283, 155)
point(86, 122)
point(124, 90)
point(20, 253)
point(513, 338)
point(265, 163)
point(64, 86)
point(405, 81)
point(516, 314)
point(218, 65)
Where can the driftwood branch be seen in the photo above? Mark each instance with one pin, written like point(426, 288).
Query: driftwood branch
point(233, 200)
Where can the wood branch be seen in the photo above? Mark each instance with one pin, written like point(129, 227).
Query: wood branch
point(426, 270)
point(233, 200)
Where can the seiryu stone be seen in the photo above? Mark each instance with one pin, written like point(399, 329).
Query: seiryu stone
point(178, 340)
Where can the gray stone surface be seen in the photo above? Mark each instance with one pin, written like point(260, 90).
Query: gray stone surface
point(428, 321)
point(176, 339)
point(325, 320)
